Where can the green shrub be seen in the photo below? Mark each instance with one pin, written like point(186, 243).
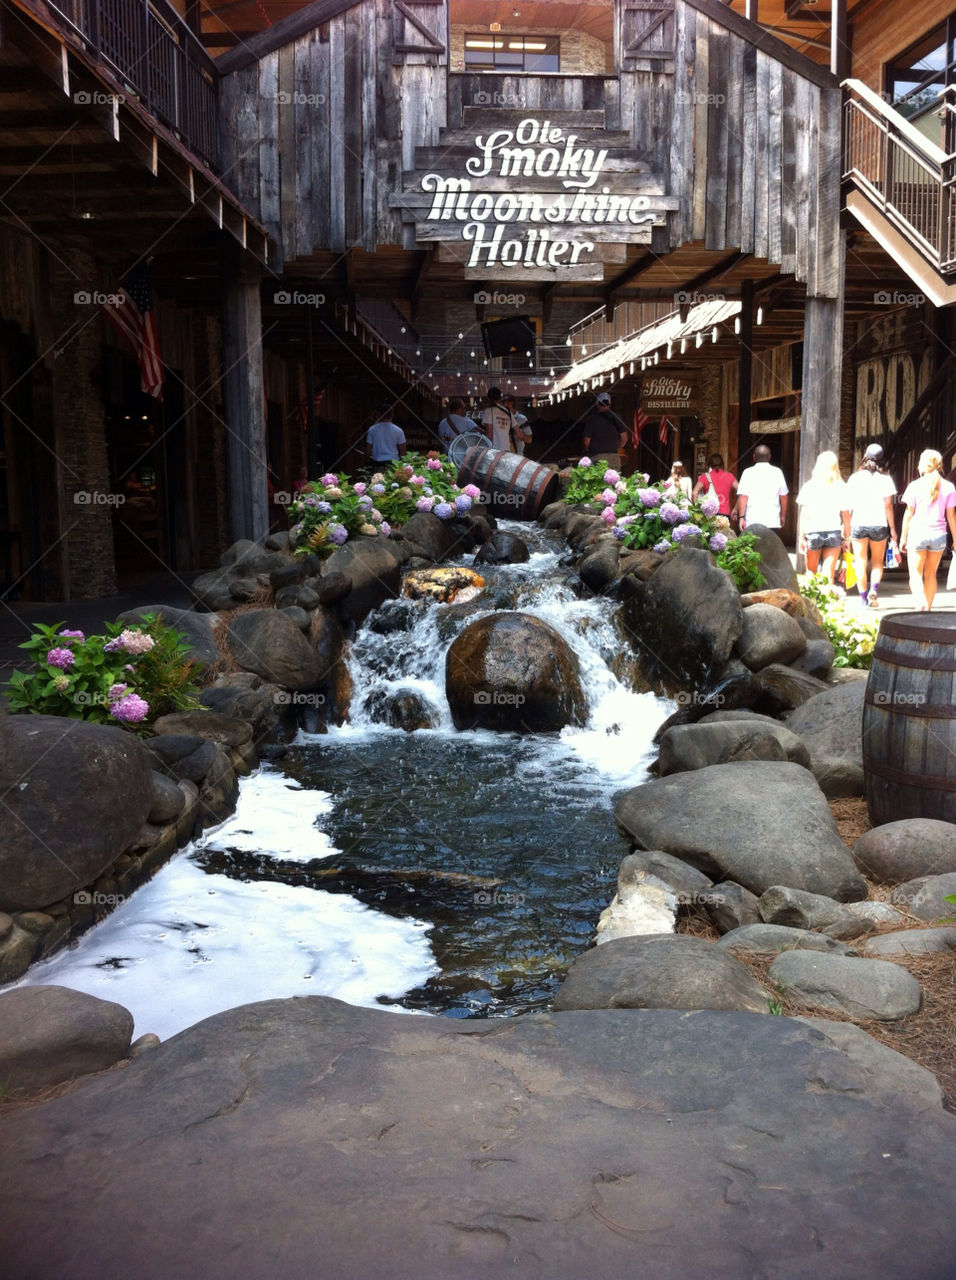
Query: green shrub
point(853, 638)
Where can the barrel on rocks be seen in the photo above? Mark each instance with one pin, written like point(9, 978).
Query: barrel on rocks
point(909, 719)
point(516, 487)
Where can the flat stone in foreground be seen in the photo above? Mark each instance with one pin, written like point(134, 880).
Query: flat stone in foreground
point(305, 1138)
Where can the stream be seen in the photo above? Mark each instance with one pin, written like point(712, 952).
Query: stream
point(442, 872)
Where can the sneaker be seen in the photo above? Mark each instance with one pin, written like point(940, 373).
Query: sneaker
point(873, 603)
point(863, 598)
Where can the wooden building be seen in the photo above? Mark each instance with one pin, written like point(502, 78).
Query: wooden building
point(370, 202)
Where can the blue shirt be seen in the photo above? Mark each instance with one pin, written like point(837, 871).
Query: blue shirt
point(384, 439)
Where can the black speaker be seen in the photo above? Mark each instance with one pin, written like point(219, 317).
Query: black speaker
point(508, 337)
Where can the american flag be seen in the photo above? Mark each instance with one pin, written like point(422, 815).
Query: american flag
point(640, 422)
point(662, 433)
point(132, 315)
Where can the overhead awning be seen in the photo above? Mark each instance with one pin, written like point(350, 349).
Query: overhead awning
point(586, 375)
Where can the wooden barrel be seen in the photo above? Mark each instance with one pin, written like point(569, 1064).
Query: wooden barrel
point(909, 719)
point(515, 487)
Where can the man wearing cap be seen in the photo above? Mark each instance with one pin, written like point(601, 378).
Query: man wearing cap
point(385, 440)
point(605, 435)
point(869, 520)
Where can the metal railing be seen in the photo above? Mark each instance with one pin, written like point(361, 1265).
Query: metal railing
point(906, 175)
point(158, 59)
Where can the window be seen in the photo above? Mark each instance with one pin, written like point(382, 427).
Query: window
point(917, 77)
point(504, 51)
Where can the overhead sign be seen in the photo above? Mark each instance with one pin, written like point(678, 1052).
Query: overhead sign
point(536, 200)
point(669, 393)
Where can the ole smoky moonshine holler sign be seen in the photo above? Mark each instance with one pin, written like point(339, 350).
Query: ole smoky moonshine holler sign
point(541, 200)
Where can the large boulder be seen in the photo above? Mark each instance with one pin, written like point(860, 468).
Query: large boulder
point(779, 937)
point(564, 1145)
point(433, 538)
point(907, 849)
point(268, 643)
point(736, 821)
point(769, 635)
point(774, 559)
point(600, 567)
point(660, 972)
point(503, 548)
point(857, 987)
point(782, 688)
point(831, 723)
point(926, 897)
point(197, 629)
point(513, 671)
point(374, 568)
point(912, 942)
point(74, 797)
point(685, 620)
point(52, 1034)
point(694, 746)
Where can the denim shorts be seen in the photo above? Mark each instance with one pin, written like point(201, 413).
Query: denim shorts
point(873, 532)
point(817, 541)
point(937, 543)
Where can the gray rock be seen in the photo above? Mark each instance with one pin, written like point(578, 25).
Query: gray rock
point(779, 937)
point(52, 1034)
point(267, 642)
point(210, 1132)
point(912, 942)
point(599, 569)
point(685, 621)
point(253, 561)
point(195, 766)
point(287, 575)
point(74, 796)
point(277, 541)
point(886, 1070)
point(874, 913)
point(511, 671)
point(736, 821)
point(907, 849)
point(801, 910)
point(774, 559)
point(245, 546)
point(659, 972)
point(925, 897)
point(207, 725)
point(436, 538)
point(213, 590)
point(168, 800)
point(298, 616)
point(197, 629)
point(837, 777)
point(373, 567)
point(694, 746)
point(782, 688)
point(685, 880)
point(245, 589)
point(231, 696)
point(6, 925)
point(402, 709)
point(503, 548)
point(816, 659)
point(857, 987)
point(729, 906)
point(333, 586)
point(168, 748)
point(831, 723)
point(769, 635)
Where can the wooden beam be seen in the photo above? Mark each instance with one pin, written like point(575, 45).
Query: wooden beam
point(839, 40)
point(745, 371)
point(284, 32)
point(242, 394)
point(822, 375)
point(768, 44)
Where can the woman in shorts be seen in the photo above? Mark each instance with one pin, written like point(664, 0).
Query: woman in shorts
point(930, 505)
point(820, 527)
point(870, 521)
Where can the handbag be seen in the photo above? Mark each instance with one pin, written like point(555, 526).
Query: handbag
point(849, 575)
point(892, 560)
point(839, 573)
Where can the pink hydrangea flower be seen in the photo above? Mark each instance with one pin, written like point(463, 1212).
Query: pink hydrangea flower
point(62, 658)
point(71, 635)
point(360, 487)
point(329, 480)
point(130, 710)
point(472, 491)
point(434, 464)
point(585, 462)
point(609, 497)
point(611, 476)
point(136, 641)
point(608, 516)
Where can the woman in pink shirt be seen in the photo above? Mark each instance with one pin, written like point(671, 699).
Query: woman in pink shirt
point(723, 483)
point(930, 505)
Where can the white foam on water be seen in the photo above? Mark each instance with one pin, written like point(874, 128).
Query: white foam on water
point(275, 816)
point(189, 944)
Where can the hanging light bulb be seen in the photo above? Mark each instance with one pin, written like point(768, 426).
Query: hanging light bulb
point(736, 324)
point(760, 315)
point(683, 345)
point(403, 328)
point(461, 335)
point(632, 366)
point(568, 343)
point(699, 339)
point(714, 334)
point(584, 351)
point(670, 350)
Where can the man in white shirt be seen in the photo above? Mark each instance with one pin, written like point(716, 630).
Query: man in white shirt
point(496, 422)
point(385, 440)
point(762, 493)
point(522, 432)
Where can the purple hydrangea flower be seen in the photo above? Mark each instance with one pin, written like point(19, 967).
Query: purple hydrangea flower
point(670, 513)
point(378, 488)
point(611, 476)
point(130, 710)
point(365, 501)
point(385, 528)
point(425, 504)
point(311, 501)
point(61, 658)
point(71, 635)
point(609, 497)
point(649, 497)
point(375, 516)
point(662, 546)
point(117, 690)
point(338, 534)
point(329, 480)
point(685, 531)
point(462, 503)
point(444, 511)
point(710, 505)
point(585, 462)
point(324, 507)
point(718, 542)
point(360, 487)
point(619, 531)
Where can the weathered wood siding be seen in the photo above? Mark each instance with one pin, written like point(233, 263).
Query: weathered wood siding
point(315, 134)
point(754, 149)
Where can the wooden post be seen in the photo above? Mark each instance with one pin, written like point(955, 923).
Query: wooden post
point(745, 373)
point(822, 375)
point(839, 40)
point(247, 497)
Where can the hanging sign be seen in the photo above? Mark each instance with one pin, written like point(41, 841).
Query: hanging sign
point(670, 393)
point(536, 201)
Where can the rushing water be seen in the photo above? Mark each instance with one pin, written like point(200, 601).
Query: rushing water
point(448, 872)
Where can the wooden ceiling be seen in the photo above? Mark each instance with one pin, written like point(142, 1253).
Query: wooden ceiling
point(804, 26)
